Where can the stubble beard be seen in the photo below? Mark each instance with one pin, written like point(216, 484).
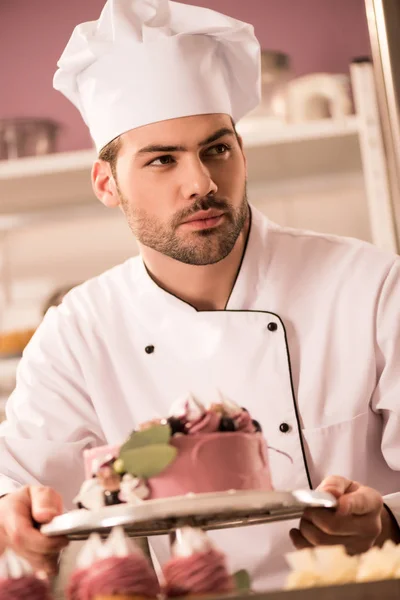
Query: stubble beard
point(202, 247)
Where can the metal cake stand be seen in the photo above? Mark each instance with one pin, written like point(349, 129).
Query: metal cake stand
point(208, 511)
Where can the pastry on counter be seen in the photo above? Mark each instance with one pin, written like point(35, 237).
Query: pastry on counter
point(331, 565)
point(12, 343)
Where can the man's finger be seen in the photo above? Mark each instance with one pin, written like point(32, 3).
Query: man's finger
point(21, 534)
point(363, 501)
point(336, 485)
point(298, 541)
point(335, 524)
point(45, 503)
point(317, 537)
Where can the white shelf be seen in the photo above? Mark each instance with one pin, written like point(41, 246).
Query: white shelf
point(48, 186)
point(266, 132)
point(63, 162)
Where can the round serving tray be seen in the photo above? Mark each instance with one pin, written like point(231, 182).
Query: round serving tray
point(209, 511)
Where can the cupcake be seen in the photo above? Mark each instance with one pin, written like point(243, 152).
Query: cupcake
point(17, 580)
point(196, 567)
point(115, 569)
point(85, 559)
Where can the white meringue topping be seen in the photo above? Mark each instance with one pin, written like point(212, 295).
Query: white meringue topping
point(190, 541)
point(90, 553)
point(118, 544)
point(133, 489)
point(91, 494)
point(13, 566)
point(187, 407)
point(231, 409)
point(95, 466)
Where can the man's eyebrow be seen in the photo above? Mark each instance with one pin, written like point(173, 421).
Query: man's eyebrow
point(160, 148)
point(157, 148)
point(218, 134)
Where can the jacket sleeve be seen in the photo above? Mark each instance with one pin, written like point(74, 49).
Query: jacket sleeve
point(50, 419)
point(386, 398)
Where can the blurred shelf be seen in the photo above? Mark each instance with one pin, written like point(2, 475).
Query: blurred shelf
point(49, 186)
point(8, 370)
point(266, 132)
point(47, 183)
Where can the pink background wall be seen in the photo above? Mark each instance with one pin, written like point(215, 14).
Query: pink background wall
point(317, 34)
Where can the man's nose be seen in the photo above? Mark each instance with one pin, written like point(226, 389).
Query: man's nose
point(197, 181)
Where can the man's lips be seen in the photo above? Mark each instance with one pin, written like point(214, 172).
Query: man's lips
point(204, 215)
point(204, 219)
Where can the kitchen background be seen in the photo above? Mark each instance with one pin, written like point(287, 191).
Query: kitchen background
point(303, 172)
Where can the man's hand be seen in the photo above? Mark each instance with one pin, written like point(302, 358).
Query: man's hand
point(359, 522)
point(18, 511)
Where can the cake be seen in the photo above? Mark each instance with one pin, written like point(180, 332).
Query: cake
point(196, 567)
point(331, 565)
point(195, 450)
point(17, 580)
point(114, 569)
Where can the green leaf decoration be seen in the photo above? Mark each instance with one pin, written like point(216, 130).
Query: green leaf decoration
point(242, 580)
point(158, 434)
point(148, 461)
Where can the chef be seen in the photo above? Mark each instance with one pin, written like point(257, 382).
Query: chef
point(300, 328)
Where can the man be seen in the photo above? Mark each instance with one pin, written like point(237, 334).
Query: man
point(301, 329)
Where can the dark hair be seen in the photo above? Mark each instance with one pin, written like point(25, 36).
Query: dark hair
point(110, 154)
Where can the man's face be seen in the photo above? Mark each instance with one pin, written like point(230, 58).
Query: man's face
point(182, 187)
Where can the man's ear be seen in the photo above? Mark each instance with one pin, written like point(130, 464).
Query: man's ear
point(104, 184)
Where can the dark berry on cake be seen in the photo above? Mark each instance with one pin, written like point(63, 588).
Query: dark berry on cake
point(227, 424)
point(257, 425)
point(176, 425)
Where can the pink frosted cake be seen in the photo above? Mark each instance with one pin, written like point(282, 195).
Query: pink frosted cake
point(195, 450)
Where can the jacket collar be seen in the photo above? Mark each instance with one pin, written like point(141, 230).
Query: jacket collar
point(251, 277)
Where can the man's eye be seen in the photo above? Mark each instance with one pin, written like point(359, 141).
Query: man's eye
point(218, 149)
point(162, 160)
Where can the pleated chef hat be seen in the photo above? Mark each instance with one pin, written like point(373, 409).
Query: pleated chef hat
point(146, 61)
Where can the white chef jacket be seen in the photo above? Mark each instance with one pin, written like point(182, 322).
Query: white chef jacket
point(310, 338)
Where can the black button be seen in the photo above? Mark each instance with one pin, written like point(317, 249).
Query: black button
point(149, 349)
point(272, 326)
point(284, 427)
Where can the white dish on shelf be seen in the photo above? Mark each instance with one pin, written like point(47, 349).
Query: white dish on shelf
point(208, 511)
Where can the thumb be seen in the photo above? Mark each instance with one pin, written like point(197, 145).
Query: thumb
point(46, 503)
point(336, 485)
point(363, 501)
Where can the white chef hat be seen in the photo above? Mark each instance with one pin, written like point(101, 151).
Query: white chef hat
point(146, 61)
